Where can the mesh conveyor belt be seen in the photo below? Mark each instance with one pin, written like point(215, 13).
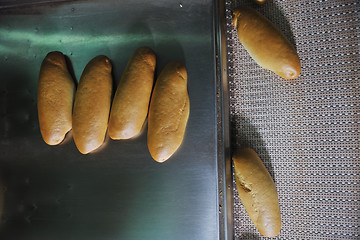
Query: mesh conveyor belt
point(306, 131)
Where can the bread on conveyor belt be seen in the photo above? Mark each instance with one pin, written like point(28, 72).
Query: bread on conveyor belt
point(56, 90)
point(131, 102)
point(265, 43)
point(257, 192)
point(169, 112)
point(92, 105)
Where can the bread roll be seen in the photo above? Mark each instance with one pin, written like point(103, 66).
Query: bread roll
point(169, 112)
point(131, 102)
point(257, 192)
point(265, 43)
point(56, 90)
point(92, 105)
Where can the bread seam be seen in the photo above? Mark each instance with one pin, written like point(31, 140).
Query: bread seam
point(243, 185)
point(180, 75)
point(182, 110)
point(260, 202)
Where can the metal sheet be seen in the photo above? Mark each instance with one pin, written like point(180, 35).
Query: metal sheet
point(117, 192)
point(223, 127)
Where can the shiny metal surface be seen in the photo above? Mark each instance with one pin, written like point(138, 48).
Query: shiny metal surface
point(226, 228)
point(117, 192)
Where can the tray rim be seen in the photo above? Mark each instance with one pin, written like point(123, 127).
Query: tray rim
point(225, 183)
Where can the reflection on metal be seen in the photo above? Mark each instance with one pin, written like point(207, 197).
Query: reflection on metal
point(19, 38)
point(224, 146)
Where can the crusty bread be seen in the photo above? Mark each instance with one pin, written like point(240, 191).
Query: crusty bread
point(169, 112)
point(257, 192)
point(131, 102)
point(92, 105)
point(56, 90)
point(265, 43)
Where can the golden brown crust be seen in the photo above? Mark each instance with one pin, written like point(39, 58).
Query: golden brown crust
point(257, 192)
point(265, 43)
point(131, 102)
point(169, 112)
point(56, 90)
point(92, 105)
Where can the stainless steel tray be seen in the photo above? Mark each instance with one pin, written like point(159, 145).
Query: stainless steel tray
point(118, 192)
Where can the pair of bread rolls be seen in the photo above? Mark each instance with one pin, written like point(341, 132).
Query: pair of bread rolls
point(130, 105)
point(86, 112)
point(89, 118)
point(169, 106)
point(271, 50)
point(265, 43)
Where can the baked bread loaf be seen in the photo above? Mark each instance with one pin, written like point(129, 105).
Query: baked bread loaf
point(55, 98)
point(92, 105)
point(257, 192)
point(265, 43)
point(131, 102)
point(169, 112)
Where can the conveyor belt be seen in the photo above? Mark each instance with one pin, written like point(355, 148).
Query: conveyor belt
point(306, 131)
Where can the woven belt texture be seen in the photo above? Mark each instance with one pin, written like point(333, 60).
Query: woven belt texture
point(306, 131)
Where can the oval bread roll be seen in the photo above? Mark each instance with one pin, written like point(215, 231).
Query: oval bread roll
point(131, 102)
point(257, 192)
point(169, 112)
point(56, 90)
point(92, 105)
point(265, 43)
